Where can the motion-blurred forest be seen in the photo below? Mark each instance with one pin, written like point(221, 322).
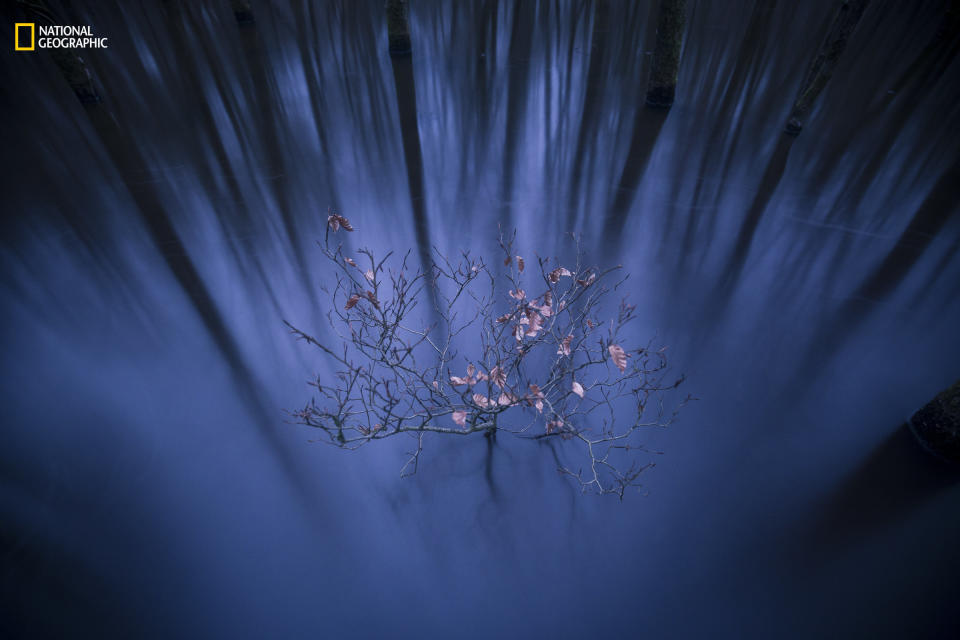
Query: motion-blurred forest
point(780, 179)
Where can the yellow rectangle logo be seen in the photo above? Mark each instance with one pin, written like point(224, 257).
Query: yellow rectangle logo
point(20, 44)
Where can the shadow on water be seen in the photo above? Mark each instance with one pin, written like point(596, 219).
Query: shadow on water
point(772, 176)
point(404, 83)
point(895, 479)
point(725, 134)
point(261, 92)
point(518, 52)
point(646, 127)
point(938, 208)
point(72, 590)
point(169, 245)
point(488, 475)
point(771, 263)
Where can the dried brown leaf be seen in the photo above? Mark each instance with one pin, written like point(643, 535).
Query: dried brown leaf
point(535, 322)
point(587, 281)
point(619, 357)
point(335, 221)
point(481, 400)
point(535, 397)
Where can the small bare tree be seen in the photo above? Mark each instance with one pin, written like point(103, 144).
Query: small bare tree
point(543, 364)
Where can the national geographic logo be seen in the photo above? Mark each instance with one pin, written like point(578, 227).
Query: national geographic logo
point(27, 36)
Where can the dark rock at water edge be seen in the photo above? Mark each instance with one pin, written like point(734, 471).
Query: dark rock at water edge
point(937, 424)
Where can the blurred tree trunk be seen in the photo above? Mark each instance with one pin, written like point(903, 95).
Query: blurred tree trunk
point(398, 28)
point(821, 70)
point(666, 53)
point(243, 12)
point(398, 34)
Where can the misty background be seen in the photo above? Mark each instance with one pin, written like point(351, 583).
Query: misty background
point(153, 243)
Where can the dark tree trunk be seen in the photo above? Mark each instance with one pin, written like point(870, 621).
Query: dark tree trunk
point(666, 53)
point(398, 28)
point(243, 12)
point(848, 15)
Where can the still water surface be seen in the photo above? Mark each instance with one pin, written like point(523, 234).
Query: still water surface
point(807, 286)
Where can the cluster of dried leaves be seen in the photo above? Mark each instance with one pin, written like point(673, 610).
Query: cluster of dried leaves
point(544, 366)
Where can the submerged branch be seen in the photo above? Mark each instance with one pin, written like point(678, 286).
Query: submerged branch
point(542, 359)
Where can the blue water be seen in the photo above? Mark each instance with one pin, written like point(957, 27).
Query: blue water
point(153, 244)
